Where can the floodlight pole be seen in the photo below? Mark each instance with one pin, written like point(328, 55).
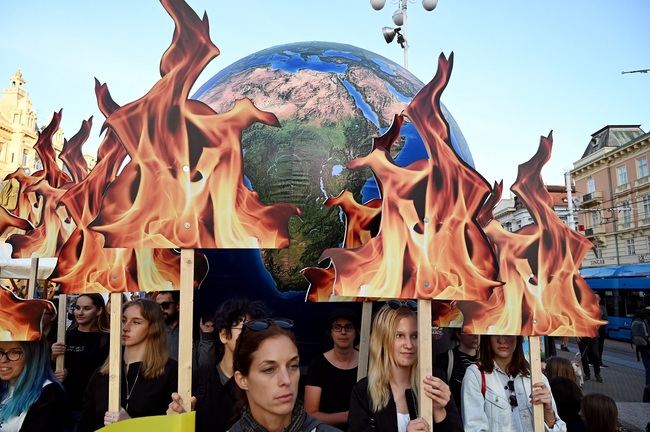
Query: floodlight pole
point(401, 20)
point(406, 34)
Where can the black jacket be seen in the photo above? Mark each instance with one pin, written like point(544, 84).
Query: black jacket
point(362, 419)
point(48, 413)
point(149, 396)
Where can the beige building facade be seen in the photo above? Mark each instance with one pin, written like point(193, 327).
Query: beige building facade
point(612, 180)
point(19, 131)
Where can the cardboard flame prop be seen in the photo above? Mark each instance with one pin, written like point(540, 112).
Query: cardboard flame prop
point(437, 239)
point(84, 265)
point(20, 320)
point(184, 184)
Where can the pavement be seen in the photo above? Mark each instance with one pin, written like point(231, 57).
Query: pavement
point(623, 380)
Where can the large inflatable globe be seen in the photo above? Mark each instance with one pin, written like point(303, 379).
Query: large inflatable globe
point(331, 100)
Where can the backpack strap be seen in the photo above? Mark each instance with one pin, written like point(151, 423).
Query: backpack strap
point(450, 364)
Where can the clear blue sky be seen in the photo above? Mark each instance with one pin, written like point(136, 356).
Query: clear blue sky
point(522, 68)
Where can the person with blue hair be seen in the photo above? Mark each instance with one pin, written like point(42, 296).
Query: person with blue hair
point(31, 398)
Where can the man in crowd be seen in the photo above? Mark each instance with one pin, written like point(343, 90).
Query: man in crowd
point(169, 302)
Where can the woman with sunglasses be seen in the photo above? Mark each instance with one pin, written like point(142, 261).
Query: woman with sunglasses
point(267, 372)
point(31, 398)
point(498, 395)
point(331, 376)
point(86, 348)
point(384, 401)
point(149, 376)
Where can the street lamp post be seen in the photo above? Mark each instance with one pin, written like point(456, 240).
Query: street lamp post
point(400, 19)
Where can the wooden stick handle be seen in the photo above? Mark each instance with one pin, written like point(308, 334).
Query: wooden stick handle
point(60, 329)
point(425, 358)
point(115, 355)
point(536, 376)
point(185, 329)
point(364, 340)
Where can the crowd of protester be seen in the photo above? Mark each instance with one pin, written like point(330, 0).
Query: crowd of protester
point(247, 376)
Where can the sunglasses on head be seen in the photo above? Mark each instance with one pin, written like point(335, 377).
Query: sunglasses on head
point(258, 325)
point(396, 304)
point(165, 305)
point(263, 324)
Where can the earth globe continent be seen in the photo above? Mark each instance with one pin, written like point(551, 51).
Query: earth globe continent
point(331, 99)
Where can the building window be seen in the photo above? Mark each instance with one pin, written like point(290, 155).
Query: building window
point(630, 247)
point(627, 212)
point(646, 207)
point(595, 219)
point(591, 185)
point(642, 167)
point(598, 251)
point(25, 157)
point(648, 240)
point(622, 175)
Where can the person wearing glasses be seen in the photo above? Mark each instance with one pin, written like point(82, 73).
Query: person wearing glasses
point(169, 302)
point(498, 395)
point(385, 401)
point(31, 398)
point(331, 376)
point(149, 376)
point(86, 347)
point(267, 372)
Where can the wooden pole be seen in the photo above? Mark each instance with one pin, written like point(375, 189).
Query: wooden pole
point(364, 340)
point(33, 276)
point(425, 358)
point(60, 330)
point(536, 376)
point(185, 329)
point(115, 353)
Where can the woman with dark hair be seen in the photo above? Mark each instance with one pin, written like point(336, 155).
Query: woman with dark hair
point(599, 413)
point(266, 365)
point(499, 395)
point(331, 376)
point(86, 348)
point(149, 376)
point(384, 401)
point(31, 398)
point(567, 396)
point(559, 367)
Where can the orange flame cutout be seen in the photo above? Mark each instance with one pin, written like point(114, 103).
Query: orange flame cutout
point(45, 187)
point(543, 294)
point(20, 320)
point(84, 265)
point(184, 184)
point(429, 244)
point(438, 240)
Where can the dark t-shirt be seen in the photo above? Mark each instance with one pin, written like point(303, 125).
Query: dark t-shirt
point(336, 384)
point(85, 352)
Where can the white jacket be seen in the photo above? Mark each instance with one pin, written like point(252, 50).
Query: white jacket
point(493, 412)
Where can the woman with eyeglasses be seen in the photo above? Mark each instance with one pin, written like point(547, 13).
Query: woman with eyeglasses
point(385, 401)
point(149, 376)
point(31, 398)
point(267, 372)
point(331, 376)
point(498, 395)
point(86, 347)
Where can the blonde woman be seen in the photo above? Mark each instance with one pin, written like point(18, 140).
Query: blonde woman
point(384, 401)
point(149, 376)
